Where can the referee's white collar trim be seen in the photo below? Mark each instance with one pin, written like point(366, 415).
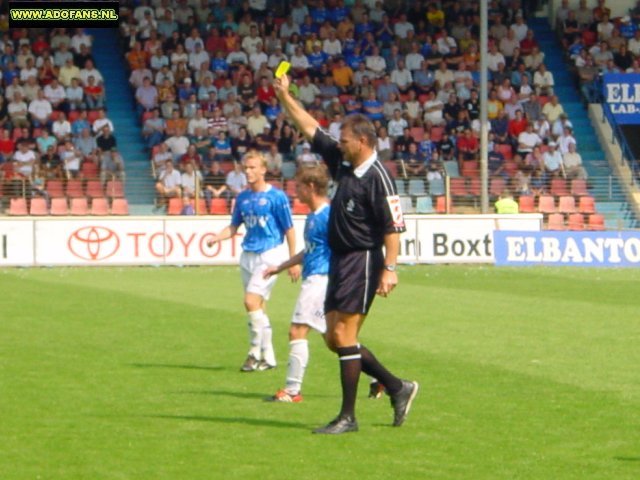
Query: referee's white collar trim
point(366, 165)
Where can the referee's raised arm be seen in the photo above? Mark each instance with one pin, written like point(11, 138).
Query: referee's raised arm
point(302, 119)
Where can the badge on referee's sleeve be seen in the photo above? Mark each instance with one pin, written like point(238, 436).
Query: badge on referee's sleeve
point(396, 210)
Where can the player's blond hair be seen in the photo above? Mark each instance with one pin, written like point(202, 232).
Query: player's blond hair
point(315, 174)
point(257, 155)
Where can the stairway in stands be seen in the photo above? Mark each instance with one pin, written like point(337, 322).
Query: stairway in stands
point(610, 195)
point(120, 110)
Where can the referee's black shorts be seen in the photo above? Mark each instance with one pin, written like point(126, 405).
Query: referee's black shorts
point(353, 280)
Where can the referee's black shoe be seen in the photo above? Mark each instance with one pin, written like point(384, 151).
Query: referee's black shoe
point(401, 401)
point(339, 425)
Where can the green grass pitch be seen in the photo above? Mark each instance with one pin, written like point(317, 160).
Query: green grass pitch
point(133, 374)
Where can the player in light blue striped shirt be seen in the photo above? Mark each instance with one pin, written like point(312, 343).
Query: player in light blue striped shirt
point(265, 212)
point(311, 182)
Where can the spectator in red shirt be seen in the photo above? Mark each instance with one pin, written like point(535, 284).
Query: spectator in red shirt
point(468, 146)
point(191, 157)
point(265, 92)
point(517, 125)
point(40, 45)
point(7, 144)
point(527, 43)
point(215, 42)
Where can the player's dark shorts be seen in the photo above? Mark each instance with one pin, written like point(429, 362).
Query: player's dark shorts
point(353, 280)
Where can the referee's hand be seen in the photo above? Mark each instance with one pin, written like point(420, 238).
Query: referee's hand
point(388, 280)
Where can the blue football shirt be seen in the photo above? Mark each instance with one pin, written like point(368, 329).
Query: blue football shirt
point(316, 243)
point(266, 216)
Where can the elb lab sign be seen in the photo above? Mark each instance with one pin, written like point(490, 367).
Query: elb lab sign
point(622, 94)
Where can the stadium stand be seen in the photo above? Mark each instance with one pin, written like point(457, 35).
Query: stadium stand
point(192, 86)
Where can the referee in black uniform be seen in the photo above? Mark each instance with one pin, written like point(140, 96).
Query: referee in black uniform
point(365, 216)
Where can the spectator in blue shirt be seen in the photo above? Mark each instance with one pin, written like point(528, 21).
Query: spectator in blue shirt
point(373, 107)
point(317, 57)
point(319, 15)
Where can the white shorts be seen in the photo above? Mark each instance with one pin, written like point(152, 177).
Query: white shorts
point(252, 267)
point(310, 305)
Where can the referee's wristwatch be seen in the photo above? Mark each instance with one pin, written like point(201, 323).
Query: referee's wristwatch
point(390, 268)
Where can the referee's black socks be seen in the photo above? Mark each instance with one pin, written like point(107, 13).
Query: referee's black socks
point(372, 367)
point(350, 367)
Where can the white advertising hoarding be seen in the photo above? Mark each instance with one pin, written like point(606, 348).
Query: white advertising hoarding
point(16, 243)
point(183, 240)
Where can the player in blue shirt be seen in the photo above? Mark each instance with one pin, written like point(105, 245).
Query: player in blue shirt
point(266, 215)
point(311, 183)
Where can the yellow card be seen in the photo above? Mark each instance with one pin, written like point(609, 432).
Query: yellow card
point(283, 68)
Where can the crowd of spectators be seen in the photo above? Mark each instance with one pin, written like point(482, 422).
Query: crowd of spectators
point(598, 44)
point(202, 73)
point(52, 122)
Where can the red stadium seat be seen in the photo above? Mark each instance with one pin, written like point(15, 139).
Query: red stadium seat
point(567, 204)
point(201, 207)
point(576, 222)
point(55, 188)
point(218, 206)
point(120, 206)
point(18, 206)
point(94, 189)
point(38, 206)
point(417, 133)
point(559, 187)
point(226, 166)
point(115, 189)
point(99, 206)
point(596, 222)
point(579, 187)
point(441, 205)
point(300, 208)
point(587, 205)
point(74, 188)
point(59, 206)
point(546, 204)
point(556, 222)
point(73, 116)
point(458, 187)
point(470, 168)
point(526, 204)
point(175, 206)
point(79, 206)
point(475, 186)
point(89, 170)
point(92, 116)
point(436, 133)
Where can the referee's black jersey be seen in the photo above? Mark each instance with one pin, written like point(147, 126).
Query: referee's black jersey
point(363, 209)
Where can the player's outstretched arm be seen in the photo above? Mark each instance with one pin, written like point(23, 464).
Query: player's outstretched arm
point(295, 260)
point(227, 232)
point(302, 119)
point(294, 270)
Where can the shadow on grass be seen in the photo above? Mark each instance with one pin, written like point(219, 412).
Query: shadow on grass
point(222, 393)
point(233, 421)
point(627, 459)
point(183, 367)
